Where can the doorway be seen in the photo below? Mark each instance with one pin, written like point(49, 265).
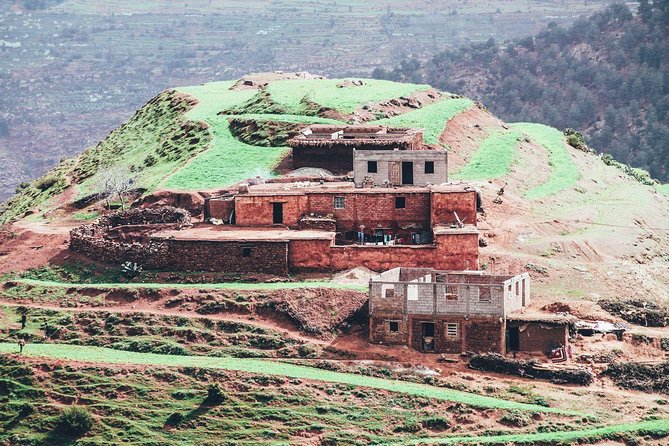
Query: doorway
point(277, 213)
point(427, 339)
point(407, 172)
point(512, 339)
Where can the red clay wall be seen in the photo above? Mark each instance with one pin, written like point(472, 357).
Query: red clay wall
point(258, 211)
point(474, 335)
point(453, 252)
point(220, 209)
point(444, 204)
point(373, 210)
point(538, 337)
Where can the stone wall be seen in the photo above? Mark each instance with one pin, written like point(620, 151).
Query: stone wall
point(318, 223)
point(145, 216)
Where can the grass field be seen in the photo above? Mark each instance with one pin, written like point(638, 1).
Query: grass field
point(493, 158)
point(564, 172)
point(433, 118)
point(326, 93)
point(110, 356)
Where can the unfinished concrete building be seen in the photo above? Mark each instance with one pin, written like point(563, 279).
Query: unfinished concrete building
point(387, 168)
point(331, 146)
point(453, 312)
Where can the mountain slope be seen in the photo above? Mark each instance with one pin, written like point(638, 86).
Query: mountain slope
point(584, 228)
point(607, 76)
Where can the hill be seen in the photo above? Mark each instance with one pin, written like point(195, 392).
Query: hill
point(605, 76)
point(563, 207)
point(62, 60)
point(167, 357)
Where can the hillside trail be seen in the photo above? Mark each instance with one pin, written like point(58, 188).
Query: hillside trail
point(146, 307)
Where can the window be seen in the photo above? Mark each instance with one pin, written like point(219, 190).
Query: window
point(339, 202)
point(388, 291)
point(412, 292)
point(372, 167)
point(429, 166)
point(400, 202)
point(452, 330)
point(394, 326)
point(246, 251)
point(484, 294)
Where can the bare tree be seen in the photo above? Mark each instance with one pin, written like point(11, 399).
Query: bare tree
point(115, 181)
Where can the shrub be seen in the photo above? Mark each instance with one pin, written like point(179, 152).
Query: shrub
point(515, 418)
point(174, 419)
point(74, 422)
point(215, 395)
point(45, 182)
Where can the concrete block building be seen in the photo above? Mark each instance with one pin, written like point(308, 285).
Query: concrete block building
point(399, 167)
point(452, 312)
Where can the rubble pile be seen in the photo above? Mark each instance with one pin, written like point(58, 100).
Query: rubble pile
point(494, 362)
point(640, 376)
point(638, 311)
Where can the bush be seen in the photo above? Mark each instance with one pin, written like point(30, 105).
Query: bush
point(45, 182)
point(74, 422)
point(215, 395)
point(174, 419)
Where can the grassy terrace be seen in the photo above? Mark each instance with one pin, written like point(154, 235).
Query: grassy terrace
point(265, 367)
point(201, 286)
point(564, 172)
point(433, 118)
point(493, 158)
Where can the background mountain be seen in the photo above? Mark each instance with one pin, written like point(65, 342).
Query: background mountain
point(71, 71)
point(607, 76)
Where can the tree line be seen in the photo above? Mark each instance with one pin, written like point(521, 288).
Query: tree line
point(606, 75)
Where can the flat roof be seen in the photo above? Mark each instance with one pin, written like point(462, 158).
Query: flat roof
point(344, 187)
point(535, 315)
point(330, 134)
point(443, 230)
point(204, 232)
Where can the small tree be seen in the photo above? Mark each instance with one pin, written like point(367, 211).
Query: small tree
point(74, 422)
point(115, 181)
point(215, 395)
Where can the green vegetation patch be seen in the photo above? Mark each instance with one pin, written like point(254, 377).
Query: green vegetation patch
point(326, 93)
point(564, 172)
point(493, 158)
point(432, 118)
point(265, 367)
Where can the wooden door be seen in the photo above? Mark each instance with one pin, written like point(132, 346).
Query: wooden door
point(394, 169)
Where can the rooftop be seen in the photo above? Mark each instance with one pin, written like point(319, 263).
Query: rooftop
point(303, 187)
point(203, 232)
point(329, 134)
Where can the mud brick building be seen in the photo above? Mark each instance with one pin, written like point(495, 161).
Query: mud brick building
point(453, 312)
point(331, 146)
point(336, 226)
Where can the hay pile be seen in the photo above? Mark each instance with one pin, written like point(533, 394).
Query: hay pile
point(494, 362)
point(638, 311)
point(639, 376)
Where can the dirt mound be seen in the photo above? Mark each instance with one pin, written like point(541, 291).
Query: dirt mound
point(493, 362)
point(556, 307)
point(318, 311)
point(639, 376)
point(396, 106)
point(22, 249)
point(191, 201)
point(355, 276)
point(260, 80)
point(637, 311)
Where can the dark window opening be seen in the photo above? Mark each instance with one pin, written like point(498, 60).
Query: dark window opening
point(407, 172)
point(394, 326)
point(400, 202)
point(339, 202)
point(277, 213)
point(246, 252)
point(429, 166)
point(372, 167)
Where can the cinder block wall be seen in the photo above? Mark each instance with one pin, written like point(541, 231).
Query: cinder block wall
point(384, 158)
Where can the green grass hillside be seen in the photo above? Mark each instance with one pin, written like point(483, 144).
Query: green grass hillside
point(182, 139)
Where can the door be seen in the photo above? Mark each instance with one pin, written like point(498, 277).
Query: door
point(512, 339)
point(427, 340)
point(407, 172)
point(394, 173)
point(277, 211)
